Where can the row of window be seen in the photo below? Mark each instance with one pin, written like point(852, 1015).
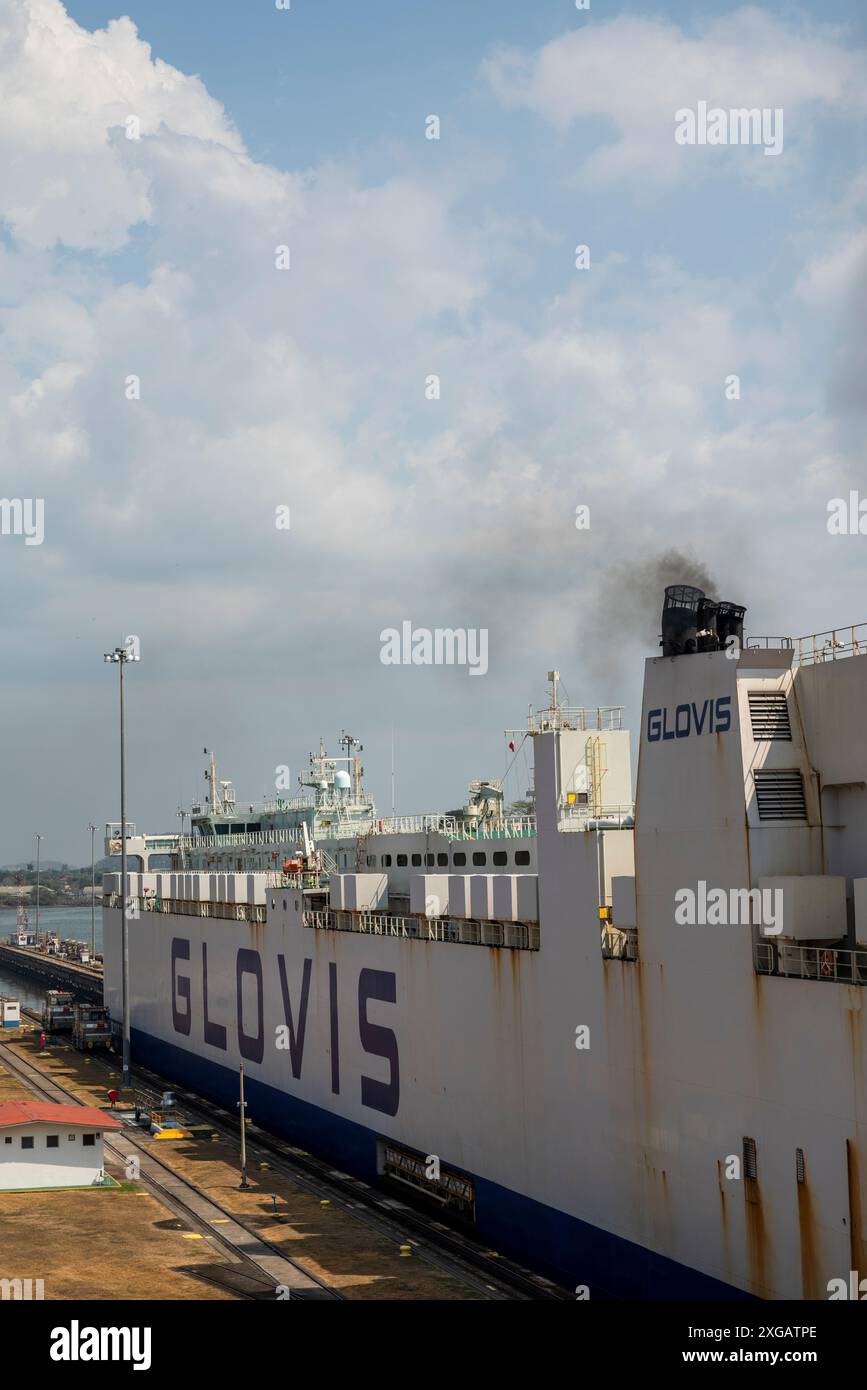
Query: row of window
point(52, 1141)
point(499, 858)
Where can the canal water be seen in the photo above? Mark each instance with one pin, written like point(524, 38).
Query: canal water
point(65, 922)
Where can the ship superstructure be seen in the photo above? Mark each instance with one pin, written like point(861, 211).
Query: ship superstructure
point(638, 1054)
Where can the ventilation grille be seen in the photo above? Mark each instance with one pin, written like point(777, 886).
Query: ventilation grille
point(780, 794)
point(769, 716)
point(751, 1163)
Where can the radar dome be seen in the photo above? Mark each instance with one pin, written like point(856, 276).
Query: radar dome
point(342, 780)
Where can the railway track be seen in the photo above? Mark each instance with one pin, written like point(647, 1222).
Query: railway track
point(448, 1249)
point(234, 1239)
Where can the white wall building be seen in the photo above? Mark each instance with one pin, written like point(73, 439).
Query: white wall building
point(43, 1145)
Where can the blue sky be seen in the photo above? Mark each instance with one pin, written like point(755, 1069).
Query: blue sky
point(156, 257)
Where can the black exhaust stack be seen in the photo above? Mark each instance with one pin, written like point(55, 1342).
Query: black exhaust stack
point(680, 619)
point(692, 622)
point(730, 623)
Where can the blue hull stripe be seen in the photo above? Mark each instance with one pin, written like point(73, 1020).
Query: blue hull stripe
point(562, 1247)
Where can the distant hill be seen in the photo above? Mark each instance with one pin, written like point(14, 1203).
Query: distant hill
point(43, 864)
point(54, 866)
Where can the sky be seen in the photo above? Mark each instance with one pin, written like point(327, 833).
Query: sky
point(240, 282)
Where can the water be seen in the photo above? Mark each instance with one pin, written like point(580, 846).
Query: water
point(66, 922)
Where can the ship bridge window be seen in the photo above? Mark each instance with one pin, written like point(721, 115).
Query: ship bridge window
point(416, 861)
point(522, 856)
point(223, 829)
point(386, 861)
point(459, 859)
point(769, 716)
point(442, 861)
point(401, 861)
point(429, 860)
point(371, 861)
point(255, 828)
point(479, 858)
point(500, 857)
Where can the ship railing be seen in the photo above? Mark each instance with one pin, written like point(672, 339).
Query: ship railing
point(811, 962)
point(615, 817)
point(511, 827)
point(255, 837)
point(192, 907)
point(619, 943)
point(834, 645)
point(460, 931)
point(608, 718)
point(514, 827)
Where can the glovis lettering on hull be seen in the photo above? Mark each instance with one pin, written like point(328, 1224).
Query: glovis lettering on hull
point(252, 1029)
point(711, 717)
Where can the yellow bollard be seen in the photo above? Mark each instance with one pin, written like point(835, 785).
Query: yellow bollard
point(324, 1202)
point(405, 1251)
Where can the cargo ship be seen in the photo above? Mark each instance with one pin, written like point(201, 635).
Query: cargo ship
point(622, 1039)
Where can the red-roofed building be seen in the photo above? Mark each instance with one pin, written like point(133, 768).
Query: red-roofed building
point(47, 1145)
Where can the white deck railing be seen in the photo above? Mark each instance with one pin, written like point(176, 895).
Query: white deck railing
point(819, 646)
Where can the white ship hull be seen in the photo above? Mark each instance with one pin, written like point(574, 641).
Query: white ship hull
point(607, 1165)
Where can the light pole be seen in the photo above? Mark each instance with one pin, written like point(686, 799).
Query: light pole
point(92, 829)
point(38, 848)
point(121, 656)
point(242, 1106)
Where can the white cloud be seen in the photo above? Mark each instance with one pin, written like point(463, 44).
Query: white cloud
point(633, 74)
point(261, 387)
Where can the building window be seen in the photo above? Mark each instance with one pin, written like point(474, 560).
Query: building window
point(8, 1139)
point(522, 856)
point(88, 1140)
point(460, 859)
point(429, 860)
point(386, 861)
point(500, 857)
point(71, 1138)
point(27, 1141)
point(401, 861)
point(371, 861)
point(416, 861)
point(479, 858)
point(52, 1141)
point(443, 861)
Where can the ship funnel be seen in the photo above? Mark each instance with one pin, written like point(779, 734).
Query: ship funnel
point(708, 640)
point(680, 619)
point(730, 623)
